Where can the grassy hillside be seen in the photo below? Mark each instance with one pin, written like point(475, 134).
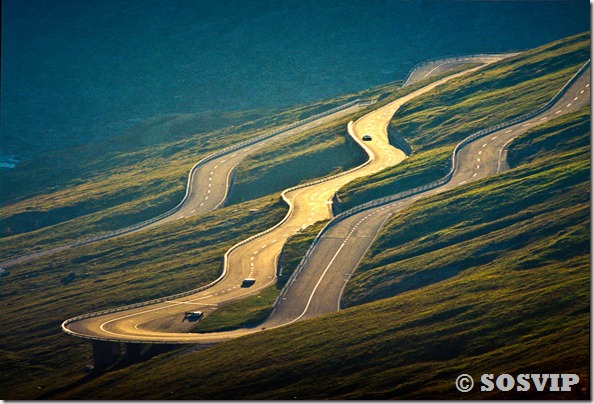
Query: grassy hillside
point(435, 122)
point(521, 306)
point(503, 288)
point(312, 154)
point(86, 190)
point(547, 210)
point(187, 253)
point(142, 173)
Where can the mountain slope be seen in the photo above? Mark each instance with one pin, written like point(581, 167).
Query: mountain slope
point(503, 288)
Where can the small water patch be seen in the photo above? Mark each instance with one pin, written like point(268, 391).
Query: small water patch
point(8, 161)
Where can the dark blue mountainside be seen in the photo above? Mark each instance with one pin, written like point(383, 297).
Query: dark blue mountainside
point(74, 71)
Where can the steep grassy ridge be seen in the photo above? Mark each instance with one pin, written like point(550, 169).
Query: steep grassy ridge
point(504, 288)
point(313, 154)
point(39, 295)
point(435, 122)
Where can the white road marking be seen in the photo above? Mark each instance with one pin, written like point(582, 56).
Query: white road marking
point(463, 182)
point(478, 160)
point(478, 166)
point(480, 152)
point(319, 281)
point(494, 137)
point(569, 105)
point(576, 98)
point(509, 131)
point(558, 112)
point(473, 175)
point(202, 204)
point(526, 124)
point(193, 211)
point(485, 145)
point(543, 118)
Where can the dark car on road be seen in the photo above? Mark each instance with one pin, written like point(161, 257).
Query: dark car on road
point(367, 138)
point(193, 315)
point(247, 282)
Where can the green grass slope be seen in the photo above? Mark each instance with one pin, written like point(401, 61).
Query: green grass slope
point(39, 295)
point(547, 208)
point(435, 122)
point(129, 178)
point(313, 154)
point(63, 196)
point(493, 277)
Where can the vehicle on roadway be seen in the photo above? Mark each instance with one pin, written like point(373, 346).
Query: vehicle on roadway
point(247, 282)
point(367, 138)
point(194, 315)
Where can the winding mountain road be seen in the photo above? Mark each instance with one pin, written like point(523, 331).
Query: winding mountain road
point(257, 257)
point(342, 247)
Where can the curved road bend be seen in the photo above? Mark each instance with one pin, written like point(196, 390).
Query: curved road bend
point(209, 185)
point(319, 287)
point(257, 259)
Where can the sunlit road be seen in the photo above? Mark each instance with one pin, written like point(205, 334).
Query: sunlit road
point(257, 258)
point(341, 248)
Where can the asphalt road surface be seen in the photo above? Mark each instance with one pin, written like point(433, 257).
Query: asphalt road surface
point(257, 258)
